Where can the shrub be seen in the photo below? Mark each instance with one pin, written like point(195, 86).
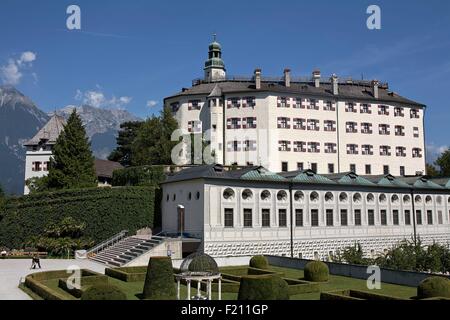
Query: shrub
point(159, 281)
point(139, 176)
point(259, 262)
point(263, 287)
point(105, 211)
point(127, 274)
point(434, 287)
point(103, 292)
point(316, 271)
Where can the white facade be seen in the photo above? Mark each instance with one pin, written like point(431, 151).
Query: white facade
point(36, 163)
point(208, 201)
point(328, 125)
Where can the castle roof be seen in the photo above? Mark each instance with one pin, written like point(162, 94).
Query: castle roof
point(48, 133)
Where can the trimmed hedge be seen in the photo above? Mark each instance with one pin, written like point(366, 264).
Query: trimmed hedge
point(103, 292)
point(259, 262)
point(356, 295)
point(432, 287)
point(263, 287)
point(159, 281)
point(106, 211)
point(127, 274)
point(316, 271)
point(85, 282)
point(139, 176)
point(300, 286)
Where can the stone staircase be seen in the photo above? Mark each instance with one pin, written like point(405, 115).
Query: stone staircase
point(126, 250)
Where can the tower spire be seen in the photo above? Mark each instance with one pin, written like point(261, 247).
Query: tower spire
point(214, 66)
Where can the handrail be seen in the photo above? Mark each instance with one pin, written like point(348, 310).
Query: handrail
point(107, 243)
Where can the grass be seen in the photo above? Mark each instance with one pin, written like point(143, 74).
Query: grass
point(134, 289)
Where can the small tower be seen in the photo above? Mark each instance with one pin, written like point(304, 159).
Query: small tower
point(214, 66)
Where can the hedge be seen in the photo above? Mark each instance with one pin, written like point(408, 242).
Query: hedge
point(263, 287)
point(139, 176)
point(159, 281)
point(356, 295)
point(300, 286)
point(434, 287)
point(35, 282)
point(316, 271)
point(103, 292)
point(259, 262)
point(127, 274)
point(106, 211)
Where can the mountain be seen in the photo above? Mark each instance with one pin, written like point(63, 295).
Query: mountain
point(20, 120)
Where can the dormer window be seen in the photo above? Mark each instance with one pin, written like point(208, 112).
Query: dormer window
point(174, 107)
point(194, 105)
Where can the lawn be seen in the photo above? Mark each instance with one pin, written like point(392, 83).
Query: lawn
point(134, 289)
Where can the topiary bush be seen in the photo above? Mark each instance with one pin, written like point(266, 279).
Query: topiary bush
point(434, 287)
point(103, 292)
point(316, 271)
point(159, 280)
point(263, 287)
point(259, 262)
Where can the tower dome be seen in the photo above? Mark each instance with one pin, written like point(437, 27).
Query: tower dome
point(214, 66)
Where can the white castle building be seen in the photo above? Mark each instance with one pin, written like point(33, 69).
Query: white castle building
point(349, 156)
point(329, 125)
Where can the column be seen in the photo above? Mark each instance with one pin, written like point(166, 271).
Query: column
point(198, 289)
point(188, 289)
point(178, 288)
point(220, 289)
point(209, 289)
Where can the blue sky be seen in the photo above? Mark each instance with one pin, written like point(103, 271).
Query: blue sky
point(131, 54)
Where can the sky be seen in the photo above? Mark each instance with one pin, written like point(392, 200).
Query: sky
point(131, 54)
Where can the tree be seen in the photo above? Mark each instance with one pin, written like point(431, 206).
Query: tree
point(431, 171)
point(443, 162)
point(354, 254)
point(72, 165)
point(62, 238)
point(127, 134)
point(153, 145)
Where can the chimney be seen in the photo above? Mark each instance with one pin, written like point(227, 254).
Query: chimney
point(375, 85)
point(258, 79)
point(316, 78)
point(334, 84)
point(287, 77)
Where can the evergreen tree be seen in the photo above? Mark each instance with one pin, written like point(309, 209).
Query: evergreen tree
point(72, 165)
point(443, 162)
point(431, 171)
point(127, 134)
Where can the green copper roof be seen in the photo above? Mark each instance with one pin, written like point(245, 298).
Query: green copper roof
point(354, 179)
point(262, 174)
point(390, 181)
point(309, 176)
point(427, 184)
point(215, 46)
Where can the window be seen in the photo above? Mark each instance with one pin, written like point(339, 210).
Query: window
point(313, 147)
point(365, 108)
point(395, 219)
point(282, 195)
point(350, 107)
point(284, 166)
point(351, 127)
point(386, 169)
point(229, 223)
point(400, 151)
point(314, 218)
point(313, 104)
point(357, 217)
point(330, 147)
point(283, 145)
point(416, 132)
point(383, 215)
point(328, 106)
point(190, 196)
point(314, 167)
point(398, 112)
point(371, 217)
point(233, 103)
point(383, 110)
point(299, 146)
point(283, 123)
point(440, 221)
point(228, 194)
point(313, 124)
point(248, 102)
point(330, 125)
point(417, 153)
point(298, 103)
point(249, 145)
point(399, 130)
point(407, 217)
point(329, 217)
point(174, 107)
point(249, 122)
point(331, 168)
point(248, 218)
point(247, 194)
point(352, 149)
point(265, 195)
point(281, 102)
point(414, 113)
point(366, 149)
point(300, 166)
point(282, 218)
point(36, 166)
point(418, 217)
point(265, 221)
point(402, 171)
point(344, 218)
point(353, 167)
point(383, 129)
point(429, 216)
point(366, 128)
point(194, 105)
point(299, 217)
point(299, 123)
point(368, 169)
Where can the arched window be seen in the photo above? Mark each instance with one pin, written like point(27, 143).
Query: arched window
point(299, 196)
point(314, 197)
point(189, 195)
point(418, 199)
point(197, 195)
point(439, 200)
point(174, 197)
point(282, 195)
point(167, 197)
point(228, 194)
point(265, 195)
point(329, 197)
point(247, 194)
point(395, 199)
point(370, 198)
point(382, 198)
point(343, 197)
point(428, 200)
point(357, 198)
point(406, 199)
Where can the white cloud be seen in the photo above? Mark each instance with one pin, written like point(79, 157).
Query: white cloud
point(11, 73)
point(97, 98)
point(151, 103)
point(434, 151)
